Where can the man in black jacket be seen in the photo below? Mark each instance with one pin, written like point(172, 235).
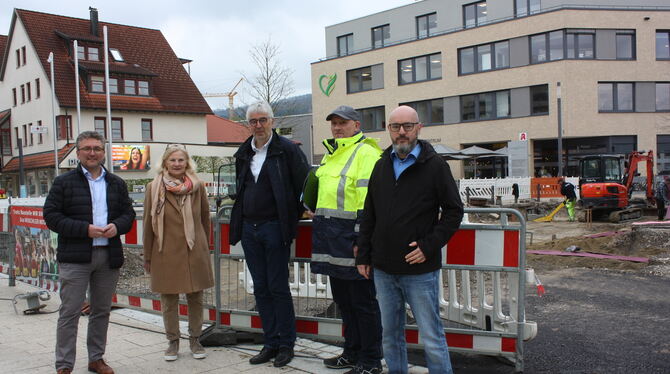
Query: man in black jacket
point(90, 209)
point(270, 171)
point(411, 211)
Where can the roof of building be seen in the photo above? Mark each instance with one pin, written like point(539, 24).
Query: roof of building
point(3, 43)
point(5, 114)
point(37, 160)
point(146, 54)
point(223, 130)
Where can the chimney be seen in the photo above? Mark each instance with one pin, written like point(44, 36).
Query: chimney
point(94, 20)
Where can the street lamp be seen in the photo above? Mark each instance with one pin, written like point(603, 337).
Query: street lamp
point(53, 110)
point(560, 129)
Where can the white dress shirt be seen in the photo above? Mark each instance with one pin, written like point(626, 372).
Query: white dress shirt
point(259, 158)
point(98, 187)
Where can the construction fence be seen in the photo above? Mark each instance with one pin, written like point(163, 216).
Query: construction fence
point(483, 281)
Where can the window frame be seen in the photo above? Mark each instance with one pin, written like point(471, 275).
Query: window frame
point(37, 88)
point(494, 106)
point(64, 123)
point(427, 17)
point(414, 70)
point(575, 50)
point(656, 95)
point(381, 28)
point(28, 92)
point(104, 125)
point(633, 49)
point(151, 129)
point(359, 79)
point(18, 58)
point(349, 45)
point(93, 83)
point(16, 100)
point(667, 34)
point(475, 57)
point(528, 12)
point(25, 136)
point(32, 140)
point(424, 121)
point(118, 120)
point(362, 112)
point(477, 22)
point(16, 135)
point(23, 94)
point(40, 138)
point(615, 97)
point(84, 50)
point(530, 93)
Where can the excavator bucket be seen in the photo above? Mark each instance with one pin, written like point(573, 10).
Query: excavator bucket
point(550, 216)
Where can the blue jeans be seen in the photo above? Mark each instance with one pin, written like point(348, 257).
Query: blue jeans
point(421, 293)
point(268, 259)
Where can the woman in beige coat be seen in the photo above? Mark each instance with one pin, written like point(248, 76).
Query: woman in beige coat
point(176, 246)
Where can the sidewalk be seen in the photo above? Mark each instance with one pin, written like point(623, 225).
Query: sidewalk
point(135, 344)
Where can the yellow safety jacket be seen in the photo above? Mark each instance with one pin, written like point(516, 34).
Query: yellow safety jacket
point(343, 184)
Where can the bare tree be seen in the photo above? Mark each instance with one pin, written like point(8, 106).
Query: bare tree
point(273, 81)
point(211, 164)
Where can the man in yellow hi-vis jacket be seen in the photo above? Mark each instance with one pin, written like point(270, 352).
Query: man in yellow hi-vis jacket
point(342, 186)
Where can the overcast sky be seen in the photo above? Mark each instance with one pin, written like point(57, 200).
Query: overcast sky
point(217, 35)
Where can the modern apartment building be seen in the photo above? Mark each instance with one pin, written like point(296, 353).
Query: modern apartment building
point(491, 72)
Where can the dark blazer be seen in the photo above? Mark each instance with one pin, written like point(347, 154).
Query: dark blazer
point(68, 210)
point(287, 169)
point(423, 205)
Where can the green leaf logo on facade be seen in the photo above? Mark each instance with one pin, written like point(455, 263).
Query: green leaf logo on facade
point(330, 84)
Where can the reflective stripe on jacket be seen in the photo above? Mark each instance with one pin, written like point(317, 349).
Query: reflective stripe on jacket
point(343, 184)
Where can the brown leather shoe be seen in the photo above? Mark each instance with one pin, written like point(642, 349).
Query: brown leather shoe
point(64, 371)
point(100, 367)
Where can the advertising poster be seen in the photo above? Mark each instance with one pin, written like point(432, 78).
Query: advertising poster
point(35, 251)
point(130, 157)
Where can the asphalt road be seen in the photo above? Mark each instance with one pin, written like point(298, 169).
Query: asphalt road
point(592, 321)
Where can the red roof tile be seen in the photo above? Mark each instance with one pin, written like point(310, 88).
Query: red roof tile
point(3, 43)
point(222, 130)
point(37, 160)
point(172, 89)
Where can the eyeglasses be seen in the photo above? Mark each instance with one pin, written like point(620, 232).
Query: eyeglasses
point(407, 126)
point(263, 121)
point(94, 149)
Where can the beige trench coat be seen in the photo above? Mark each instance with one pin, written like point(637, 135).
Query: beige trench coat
point(177, 269)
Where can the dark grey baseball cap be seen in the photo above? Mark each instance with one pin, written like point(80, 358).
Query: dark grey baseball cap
point(345, 112)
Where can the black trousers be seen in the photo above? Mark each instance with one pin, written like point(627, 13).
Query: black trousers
point(660, 205)
point(357, 300)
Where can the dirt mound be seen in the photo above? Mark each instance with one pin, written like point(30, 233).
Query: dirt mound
point(648, 243)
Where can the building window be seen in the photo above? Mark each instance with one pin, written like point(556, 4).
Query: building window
point(18, 58)
point(380, 36)
point(99, 126)
point(580, 44)
point(616, 97)
point(14, 96)
point(474, 14)
point(539, 99)
point(25, 135)
point(6, 141)
point(16, 135)
point(129, 87)
point(431, 112)
point(40, 138)
point(64, 124)
point(143, 88)
point(81, 52)
point(93, 54)
point(31, 142)
point(418, 69)
point(426, 25)
point(663, 45)
point(485, 106)
point(488, 57)
point(625, 45)
point(97, 84)
point(526, 7)
point(117, 128)
point(28, 93)
point(365, 79)
point(116, 54)
point(37, 88)
point(23, 94)
point(556, 45)
point(373, 119)
point(538, 48)
point(113, 86)
point(662, 97)
point(147, 130)
point(23, 51)
point(548, 47)
point(345, 44)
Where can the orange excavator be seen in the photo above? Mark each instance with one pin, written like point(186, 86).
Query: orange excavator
point(606, 184)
